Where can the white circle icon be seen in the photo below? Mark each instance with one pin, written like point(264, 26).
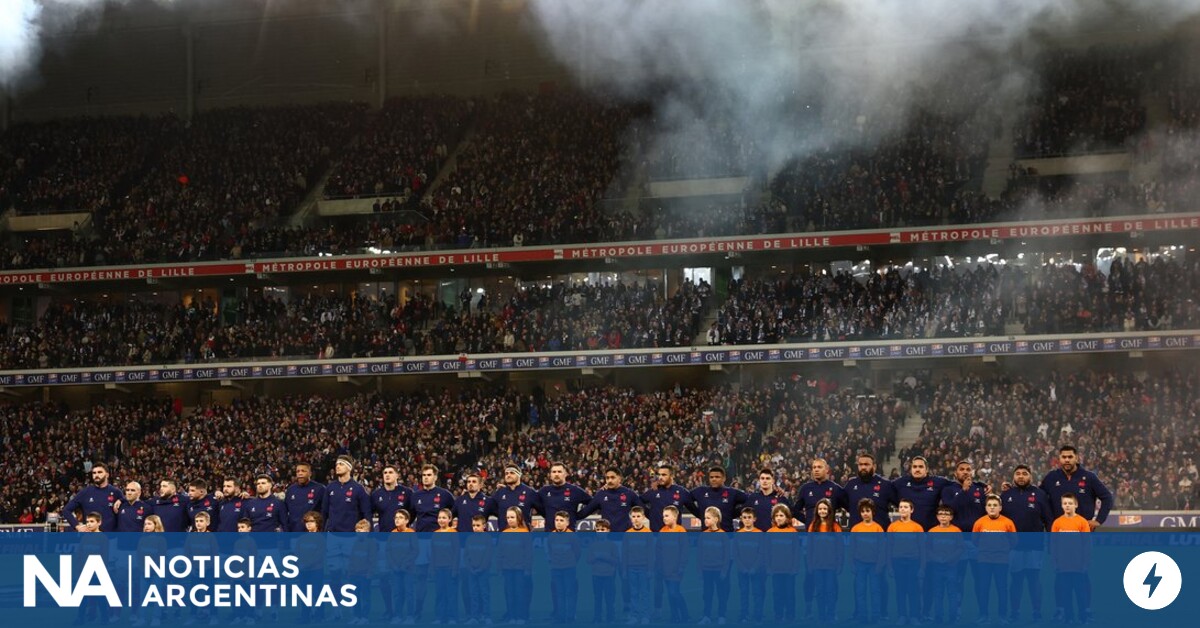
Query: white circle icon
point(1152, 580)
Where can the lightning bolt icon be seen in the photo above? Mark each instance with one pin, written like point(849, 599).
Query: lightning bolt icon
point(1152, 580)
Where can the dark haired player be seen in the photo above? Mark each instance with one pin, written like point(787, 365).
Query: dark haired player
point(724, 498)
point(1069, 477)
point(304, 495)
point(99, 496)
point(562, 496)
point(613, 502)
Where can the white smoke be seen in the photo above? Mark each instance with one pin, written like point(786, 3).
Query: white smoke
point(25, 25)
point(787, 75)
point(761, 63)
point(18, 37)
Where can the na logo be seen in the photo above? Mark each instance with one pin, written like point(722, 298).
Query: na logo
point(93, 581)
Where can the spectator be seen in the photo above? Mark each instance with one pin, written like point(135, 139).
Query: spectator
point(1090, 102)
point(402, 151)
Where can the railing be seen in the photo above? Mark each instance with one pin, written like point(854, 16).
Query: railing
point(48, 211)
point(1100, 150)
point(468, 366)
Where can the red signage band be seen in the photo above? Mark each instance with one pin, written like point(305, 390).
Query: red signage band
point(124, 273)
point(625, 250)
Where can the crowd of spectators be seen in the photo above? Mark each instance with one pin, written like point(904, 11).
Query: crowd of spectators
point(698, 150)
point(807, 306)
point(559, 317)
point(697, 218)
point(78, 164)
point(77, 332)
point(49, 449)
point(1089, 101)
point(1183, 104)
point(1132, 296)
point(82, 332)
point(573, 317)
point(46, 453)
point(1101, 111)
point(910, 179)
point(402, 150)
point(823, 421)
point(532, 172)
point(1029, 196)
point(231, 172)
point(1180, 168)
point(952, 302)
point(534, 168)
point(49, 251)
point(689, 428)
point(1139, 434)
point(165, 191)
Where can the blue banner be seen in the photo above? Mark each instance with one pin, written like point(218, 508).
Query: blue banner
point(620, 358)
point(1155, 519)
point(1106, 579)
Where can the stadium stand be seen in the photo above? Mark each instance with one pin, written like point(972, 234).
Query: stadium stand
point(559, 167)
point(532, 173)
point(532, 169)
point(910, 179)
point(944, 302)
point(1139, 432)
point(178, 193)
point(894, 303)
point(1089, 103)
point(1121, 423)
point(78, 332)
point(482, 431)
point(81, 164)
point(402, 150)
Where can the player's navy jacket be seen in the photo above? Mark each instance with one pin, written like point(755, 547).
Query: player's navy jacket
point(568, 497)
point(523, 497)
point(763, 504)
point(174, 512)
point(1087, 488)
point(726, 499)
point(301, 499)
point(466, 506)
point(925, 495)
point(1029, 509)
point(266, 514)
point(208, 504)
point(426, 504)
point(813, 492)
point(656, 499)
point(878, 489)
point(386, 503)
point(95, 499)
point(346, 503)
point(132, 517)
point(614, 505)
point(968, 505)
point(230, 511)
